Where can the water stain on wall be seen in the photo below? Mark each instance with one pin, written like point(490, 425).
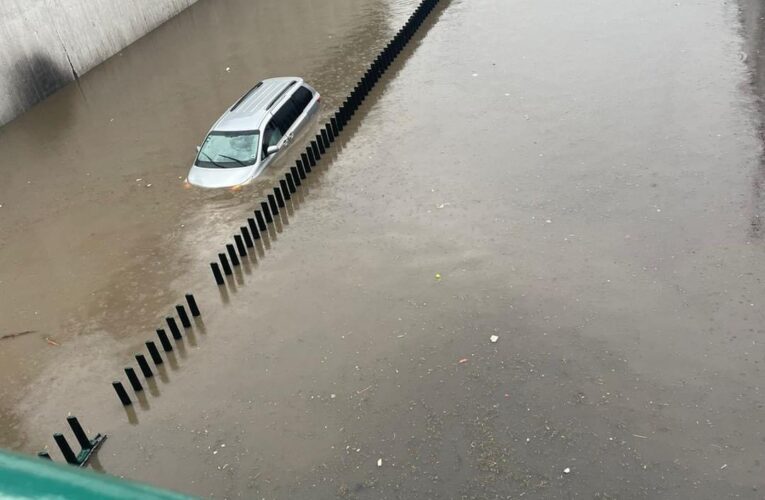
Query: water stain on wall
point(35, 78)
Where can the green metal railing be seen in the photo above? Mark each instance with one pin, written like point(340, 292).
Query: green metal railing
point(24, 477)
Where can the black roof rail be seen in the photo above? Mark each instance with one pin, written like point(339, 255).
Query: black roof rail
point(279, 96)
point(245, 96)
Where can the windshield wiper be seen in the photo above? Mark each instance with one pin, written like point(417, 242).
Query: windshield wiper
point(213, 161)
point(239, 162)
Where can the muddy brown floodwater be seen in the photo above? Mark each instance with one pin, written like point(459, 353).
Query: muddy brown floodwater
point(581, 179)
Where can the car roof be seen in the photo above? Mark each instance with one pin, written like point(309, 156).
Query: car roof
point(249, 112)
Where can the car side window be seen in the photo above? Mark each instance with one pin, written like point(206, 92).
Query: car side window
point(286, 116)
point(271, 136)
point(301, 98)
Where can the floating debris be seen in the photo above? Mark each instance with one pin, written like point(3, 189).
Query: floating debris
point(17, 334)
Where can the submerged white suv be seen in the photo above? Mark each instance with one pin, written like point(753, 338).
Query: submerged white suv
point(253, 132)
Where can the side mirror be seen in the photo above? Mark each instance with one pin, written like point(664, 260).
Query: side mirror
point(199, 148)
point(271, 150)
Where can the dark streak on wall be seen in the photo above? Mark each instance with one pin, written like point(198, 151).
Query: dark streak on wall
point(37, 77)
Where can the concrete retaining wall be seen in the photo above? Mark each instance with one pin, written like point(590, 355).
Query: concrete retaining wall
point(45, 44)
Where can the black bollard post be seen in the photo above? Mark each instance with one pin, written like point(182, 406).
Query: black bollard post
point(193, 307)
point(316, 151)
point(295, 175)
point(304, 160)
point(240, 245)
point(290, 182)
point(266, 212)
point(301, 172)
point(173, 326)
point(320, 143)
point(167, 346)
point(261, 220)
point(144, 366)
point(224, 264)
point(311, 156)
point(185, 321)
point(279, 198)
point(333, 124)
point(232, 254)
point(325, 137)
point(330, 133)
point(133, 379)
point(272, 204)
point(216, 273)
point(246, 235)
point(253, 229)
point(304, 166)
point(285, 189)
point(63, 445)
point(154, 353)
point(121, 393)
point(82, 438)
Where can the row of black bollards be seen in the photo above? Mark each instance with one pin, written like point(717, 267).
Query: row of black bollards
point(317, 147)
point(153, 350)
point(87, 445)
point(251, 233)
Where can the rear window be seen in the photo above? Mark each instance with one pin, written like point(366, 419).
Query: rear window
point(301, 98)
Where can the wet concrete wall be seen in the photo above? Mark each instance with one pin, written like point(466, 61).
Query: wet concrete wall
point(45, 44)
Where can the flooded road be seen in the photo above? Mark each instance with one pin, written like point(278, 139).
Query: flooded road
point(582, 181)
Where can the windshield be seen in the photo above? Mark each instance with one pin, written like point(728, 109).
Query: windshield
point(229, 149)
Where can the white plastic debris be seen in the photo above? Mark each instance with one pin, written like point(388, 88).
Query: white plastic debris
point(333, 396)
point(566, 470)
point(228, 68)
point(379, 462)
point(494, 339)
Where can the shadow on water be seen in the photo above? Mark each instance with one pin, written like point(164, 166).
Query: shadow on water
point(752, 17)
